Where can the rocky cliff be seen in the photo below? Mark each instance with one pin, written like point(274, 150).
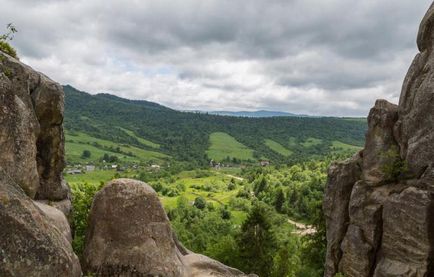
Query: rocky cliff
point(34, 237)
point(379, 205)
point(129, 233)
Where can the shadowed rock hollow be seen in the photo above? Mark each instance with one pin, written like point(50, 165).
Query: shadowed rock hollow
point(379, 205)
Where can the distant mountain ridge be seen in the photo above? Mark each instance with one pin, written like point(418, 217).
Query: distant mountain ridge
point(116, 123)
point(259, 113)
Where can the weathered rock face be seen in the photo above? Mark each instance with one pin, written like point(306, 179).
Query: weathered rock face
point(30, 245)
point(34, 237)
point(379, 140)
point(57, 218)
point(130, 235)
point(31, 137)
point(379, 207)
point(19, 126)
point(48, 98)
point(343, 177)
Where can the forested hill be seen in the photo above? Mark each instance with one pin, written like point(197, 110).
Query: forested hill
point(197, 138)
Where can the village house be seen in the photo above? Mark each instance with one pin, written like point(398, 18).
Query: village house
point(74, 171)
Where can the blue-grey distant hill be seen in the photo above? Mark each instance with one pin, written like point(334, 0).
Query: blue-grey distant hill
point(260, 113)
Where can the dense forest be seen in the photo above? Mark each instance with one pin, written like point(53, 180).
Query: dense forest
point(244, 222)
point(185, 136)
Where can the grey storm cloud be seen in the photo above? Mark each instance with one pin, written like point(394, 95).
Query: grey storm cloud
point(321, 57)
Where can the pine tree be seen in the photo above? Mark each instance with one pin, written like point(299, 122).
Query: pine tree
point(260, 185)
point(256, 242)
point(280, 199)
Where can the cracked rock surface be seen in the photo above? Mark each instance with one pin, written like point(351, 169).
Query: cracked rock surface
point(379, 205)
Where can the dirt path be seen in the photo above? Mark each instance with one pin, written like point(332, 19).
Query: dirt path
point(302, 229)
point(235, 177)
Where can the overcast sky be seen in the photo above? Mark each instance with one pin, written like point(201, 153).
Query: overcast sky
point(318, 57)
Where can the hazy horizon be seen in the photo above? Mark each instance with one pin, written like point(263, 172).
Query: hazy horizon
point(303, 57)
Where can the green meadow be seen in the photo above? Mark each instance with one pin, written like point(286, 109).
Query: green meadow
point(278, 148)
point(77, 142)
point(222, 145)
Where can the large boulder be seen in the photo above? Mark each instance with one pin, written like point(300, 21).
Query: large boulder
point(30, 244)
point(130, 235)
point(58, 219)
point(201, 266)
point(386, 228)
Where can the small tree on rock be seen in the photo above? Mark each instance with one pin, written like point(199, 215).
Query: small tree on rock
point(8, 36)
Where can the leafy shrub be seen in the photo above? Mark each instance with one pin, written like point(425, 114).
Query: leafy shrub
point(225, 214)
point(4, 45)
point(199, 203)
point(82, 201)
point(244, 193)
point(231, 186)
point(170, 192)
point(393, 166)
point(240, 204)
point(202, 173)
point(181, 187)
point(86, 154)
point(198, 187)
point(8, 49)
point(157, 186)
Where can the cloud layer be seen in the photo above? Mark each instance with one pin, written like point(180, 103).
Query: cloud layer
point(331, 57)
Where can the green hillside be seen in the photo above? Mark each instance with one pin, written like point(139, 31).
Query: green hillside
point(77, 143)
point(151, 131)
point(225, 146)
point(278, 148)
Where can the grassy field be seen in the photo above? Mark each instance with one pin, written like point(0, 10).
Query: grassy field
point(140, 139)
point(94, 177)
point(338, 146)
point(230, 170)
point(356, 119)
point(278, 148)
point(224, 145)
point(76, 143)
point(212, 188)
point(217, 193)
